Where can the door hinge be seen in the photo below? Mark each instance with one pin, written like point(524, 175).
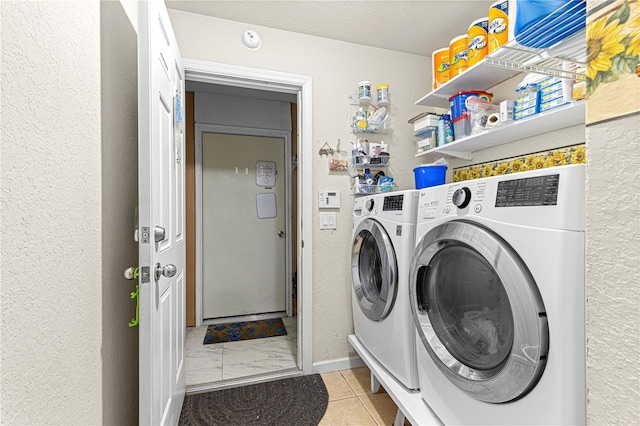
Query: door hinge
point(302, 243)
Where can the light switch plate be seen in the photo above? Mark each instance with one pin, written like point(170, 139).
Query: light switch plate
point(328, 220)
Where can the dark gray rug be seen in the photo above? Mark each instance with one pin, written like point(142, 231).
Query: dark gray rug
point(294, 401)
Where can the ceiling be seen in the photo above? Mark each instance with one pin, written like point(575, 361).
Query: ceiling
point(417, 27)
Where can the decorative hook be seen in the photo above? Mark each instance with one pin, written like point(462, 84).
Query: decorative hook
point(326, 149)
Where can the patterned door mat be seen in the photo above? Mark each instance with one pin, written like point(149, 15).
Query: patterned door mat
point(296, 401)
point(244, 330)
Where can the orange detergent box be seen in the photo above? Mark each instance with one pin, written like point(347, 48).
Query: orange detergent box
point(440, 60)
point(477, 41)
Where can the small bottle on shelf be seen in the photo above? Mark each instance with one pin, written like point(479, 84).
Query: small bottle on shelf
point(445, 130)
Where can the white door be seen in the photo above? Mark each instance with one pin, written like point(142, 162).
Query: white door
point(161, 210)
point(243, 225)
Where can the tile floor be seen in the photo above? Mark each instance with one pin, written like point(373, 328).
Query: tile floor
point(350, 399)
point(231, 360)
point(352, 403)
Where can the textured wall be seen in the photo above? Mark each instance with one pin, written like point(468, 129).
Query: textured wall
point(613, 276)
point(119, 82)
point(336, 68)
point(51, 213)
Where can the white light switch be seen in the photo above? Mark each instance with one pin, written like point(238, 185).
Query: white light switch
point(327, 220)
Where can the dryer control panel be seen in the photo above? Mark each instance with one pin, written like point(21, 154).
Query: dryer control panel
point(543, 198)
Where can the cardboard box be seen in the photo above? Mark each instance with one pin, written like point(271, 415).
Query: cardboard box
point(507, 111)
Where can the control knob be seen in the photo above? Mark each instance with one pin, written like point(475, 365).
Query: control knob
point(461, 197)
point(369, 204)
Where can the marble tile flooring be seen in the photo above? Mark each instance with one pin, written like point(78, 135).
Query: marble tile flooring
point(232, 360)
point(352, 403)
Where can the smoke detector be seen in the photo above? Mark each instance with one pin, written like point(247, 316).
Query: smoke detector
point(251, 40)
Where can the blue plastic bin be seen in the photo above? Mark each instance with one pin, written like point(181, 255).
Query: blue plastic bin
point(426, 176)
point(543, 23)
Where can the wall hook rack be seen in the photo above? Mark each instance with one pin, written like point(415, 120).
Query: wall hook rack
point(325, 149)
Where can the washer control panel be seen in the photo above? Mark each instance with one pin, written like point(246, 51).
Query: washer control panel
point(393, 203)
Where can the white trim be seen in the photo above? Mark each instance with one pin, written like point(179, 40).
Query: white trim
point(337, 364)
point(242, 381)
point(198, 170)
point(231, 75)
point(305, 203)
point(246, 131)
point(256, 317)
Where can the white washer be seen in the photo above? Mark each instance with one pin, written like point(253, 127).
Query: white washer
point(497, 289)
point(383, 241)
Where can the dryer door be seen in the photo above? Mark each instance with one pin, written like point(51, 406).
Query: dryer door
point(374, 270)
point(478, 311)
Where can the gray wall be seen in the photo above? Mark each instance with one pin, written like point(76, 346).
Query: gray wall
point(119, 84)
point(240, 111)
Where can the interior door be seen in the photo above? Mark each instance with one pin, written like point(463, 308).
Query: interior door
point(243, 225)
point(161, 217)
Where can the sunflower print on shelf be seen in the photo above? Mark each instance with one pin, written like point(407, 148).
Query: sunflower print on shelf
point(613, 46)
point(541, 160)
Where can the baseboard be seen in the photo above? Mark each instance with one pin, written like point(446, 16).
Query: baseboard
point(337, 364)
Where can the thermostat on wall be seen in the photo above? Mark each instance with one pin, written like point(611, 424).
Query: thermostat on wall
point(328, 199)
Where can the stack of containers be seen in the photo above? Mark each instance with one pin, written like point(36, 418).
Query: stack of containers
point(483, 37)
point(460, 113)
point(425, 130)
point(555, 92)
point(528, 101)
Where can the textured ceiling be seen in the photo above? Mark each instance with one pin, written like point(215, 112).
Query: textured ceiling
point(417, 27)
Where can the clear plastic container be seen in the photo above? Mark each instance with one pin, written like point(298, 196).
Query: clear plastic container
point(461, 127)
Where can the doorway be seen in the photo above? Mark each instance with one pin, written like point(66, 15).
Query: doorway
point(300, 329)
point(245, 227)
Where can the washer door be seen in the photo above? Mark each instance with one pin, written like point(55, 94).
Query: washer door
point(478, 311)
point(374, 270)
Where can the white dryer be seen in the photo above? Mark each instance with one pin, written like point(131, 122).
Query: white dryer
point(383, 242)
point(497, 288)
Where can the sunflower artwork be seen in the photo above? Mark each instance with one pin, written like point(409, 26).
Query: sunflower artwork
point(613, 46)
point(540, 160)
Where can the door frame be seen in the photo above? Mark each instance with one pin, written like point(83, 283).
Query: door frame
point(244, 131)
point(301, 85)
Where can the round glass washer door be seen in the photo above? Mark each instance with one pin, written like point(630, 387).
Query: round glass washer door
point(478, 311)
point(374, 270)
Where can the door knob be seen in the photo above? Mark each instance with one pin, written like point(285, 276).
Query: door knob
point(159, 233)
point(281, 234)
point(167, 271)
point(131, 273)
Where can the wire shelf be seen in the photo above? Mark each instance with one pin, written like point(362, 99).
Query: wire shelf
point(561, 57)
